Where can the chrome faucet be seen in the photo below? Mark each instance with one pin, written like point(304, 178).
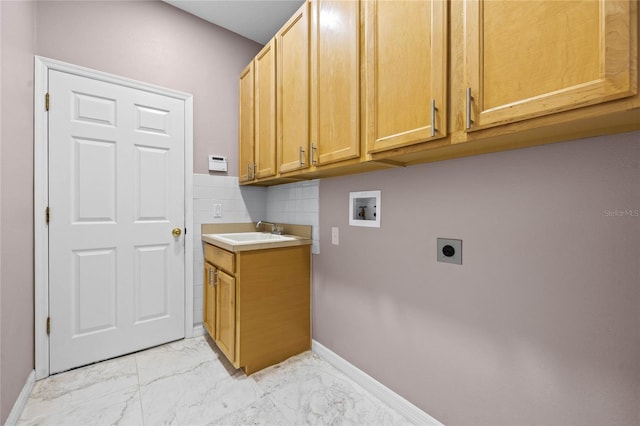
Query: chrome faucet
point(275, 228)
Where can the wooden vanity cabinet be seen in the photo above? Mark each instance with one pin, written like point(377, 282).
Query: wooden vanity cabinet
point(260, 304)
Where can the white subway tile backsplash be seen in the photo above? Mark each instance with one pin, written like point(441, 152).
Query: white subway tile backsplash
point(295, 203)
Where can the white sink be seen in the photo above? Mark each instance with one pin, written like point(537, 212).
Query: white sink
point(250, 237)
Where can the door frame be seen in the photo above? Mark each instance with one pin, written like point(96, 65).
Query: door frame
point(42, 66)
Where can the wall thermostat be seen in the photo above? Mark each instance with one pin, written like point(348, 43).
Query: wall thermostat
point(217, 163)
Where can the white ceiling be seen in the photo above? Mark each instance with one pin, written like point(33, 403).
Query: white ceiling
point(257, 20)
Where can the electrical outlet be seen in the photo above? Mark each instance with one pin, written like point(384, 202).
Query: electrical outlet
point(217, 211)
point(335, 235)
point(449, 251)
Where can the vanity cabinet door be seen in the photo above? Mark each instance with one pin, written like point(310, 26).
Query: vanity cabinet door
point(226, 314)
point(209, 319)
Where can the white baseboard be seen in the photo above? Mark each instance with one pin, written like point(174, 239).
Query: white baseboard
point(198, 331)
point(412, 413)
point(20, 403)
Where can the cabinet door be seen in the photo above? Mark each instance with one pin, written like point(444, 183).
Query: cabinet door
point(293, 93)
point(246, 162)
point(530, 58)
point(265, 111)
point(335, 80)
point(209, 319)
point(406, 72)
point(226, 310)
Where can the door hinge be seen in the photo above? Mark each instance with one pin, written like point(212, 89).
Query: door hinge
point(46, 214)
point(46, 101)
point(48, 326)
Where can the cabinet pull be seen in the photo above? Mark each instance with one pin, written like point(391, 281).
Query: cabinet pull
point(313, 154)
point(301, 156)
point(469, 99)
point(255, 169)
point(249, 171)
point(433, 117)
point(215, 278)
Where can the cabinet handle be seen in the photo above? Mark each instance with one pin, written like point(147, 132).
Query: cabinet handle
point(433, 117)
point(249, 171)
point(301, 156)
point(313, 155)
point(215, 278)
point(255, 169)
point(469, 99)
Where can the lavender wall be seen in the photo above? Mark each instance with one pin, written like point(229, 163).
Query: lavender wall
point(541, 323)
point(149, 41)
point(156, 43)
point(16, 200)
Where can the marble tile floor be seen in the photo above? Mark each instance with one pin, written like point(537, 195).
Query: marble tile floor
point(189, 382)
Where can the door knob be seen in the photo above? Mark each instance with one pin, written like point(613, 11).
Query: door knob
point(176, 232)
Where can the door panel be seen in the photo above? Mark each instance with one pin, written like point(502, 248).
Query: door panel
point(151, 282)
point(151, 184)
point(116, 190)
point(93, 297)
point(94, 180)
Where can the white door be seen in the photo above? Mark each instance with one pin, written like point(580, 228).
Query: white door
point(116, 192)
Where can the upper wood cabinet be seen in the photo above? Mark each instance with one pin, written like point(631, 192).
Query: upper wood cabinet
point(257, 117)
point(293, 93)
point(335, 81)
point(265, 111)
point(363, 85)
point(245, 123)
point(526, 59)
point(405, 60)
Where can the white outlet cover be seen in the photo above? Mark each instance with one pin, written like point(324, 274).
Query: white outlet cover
point(335, 235)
